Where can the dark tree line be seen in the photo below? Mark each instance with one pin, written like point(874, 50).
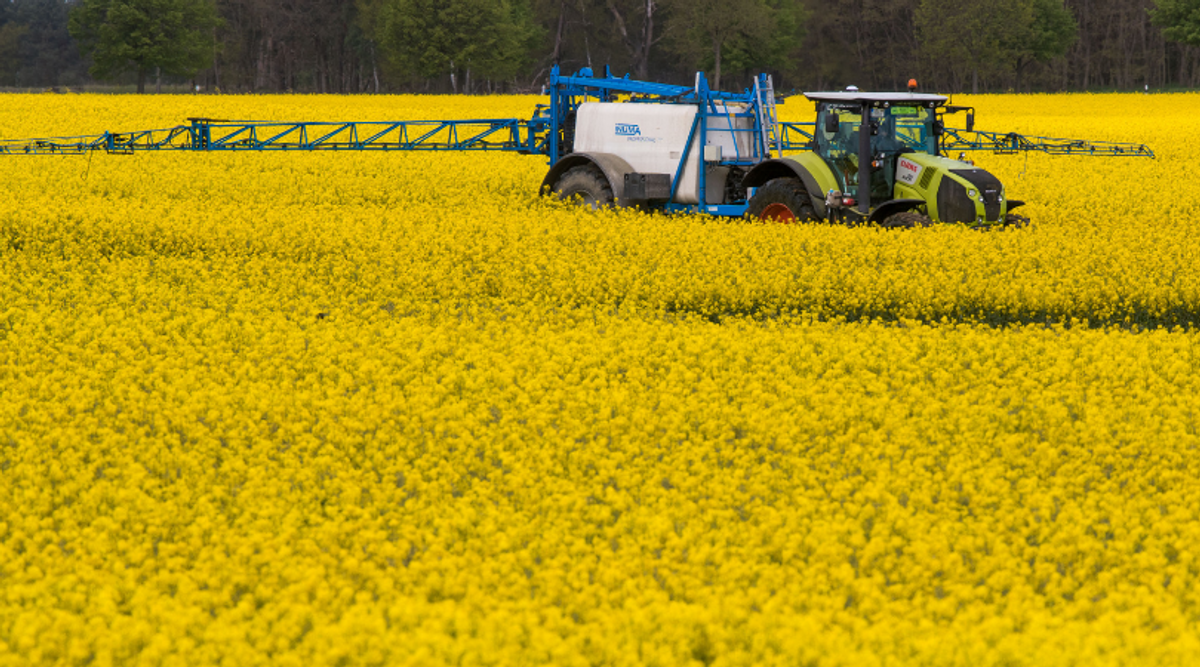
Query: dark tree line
point(474, 46)
point(36, 50)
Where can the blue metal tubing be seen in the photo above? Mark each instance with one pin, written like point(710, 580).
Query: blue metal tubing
point(955, 140)
point(701, 165)
point(797, 136)
point(687, 151)
point(380, 135)
point(50, 145)
point(225, 141)
point(118, 143)
point(464, 135)
point(583, 85)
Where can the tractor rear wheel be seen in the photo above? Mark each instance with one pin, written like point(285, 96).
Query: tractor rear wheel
point(587, 185)
point(906, 220)
point(782, 200)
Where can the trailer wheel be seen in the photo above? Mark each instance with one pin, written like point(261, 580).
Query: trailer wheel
point(783, 200)
point(906, 220)
point(587, 185)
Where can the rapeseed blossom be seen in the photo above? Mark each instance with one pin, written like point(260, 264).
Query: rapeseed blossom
point(371, 409)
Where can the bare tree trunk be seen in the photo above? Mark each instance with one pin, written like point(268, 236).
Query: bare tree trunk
point(263, 75)
point(860, 46)
point(716, 63)
point(647, 41)
point(638, 45)
point(558, 34)
point(322, 70)
point(374, 69)
point(587, 43)
point(216, 63)
point(1085, 23)
point(158, 81)
point(587, 47)
point(141, 80)
point(620, 21)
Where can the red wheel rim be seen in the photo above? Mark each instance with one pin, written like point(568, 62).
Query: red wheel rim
point(778, 212)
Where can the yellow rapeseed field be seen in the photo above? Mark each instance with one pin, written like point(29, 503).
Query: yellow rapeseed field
point(395, 409)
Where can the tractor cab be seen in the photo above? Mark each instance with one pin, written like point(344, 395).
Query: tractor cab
point(898, 123)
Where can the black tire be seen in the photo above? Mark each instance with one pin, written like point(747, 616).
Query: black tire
point(1010, 221)
point(1015, 221)
point(906, 220)
point(783, 200)
point(585, 184)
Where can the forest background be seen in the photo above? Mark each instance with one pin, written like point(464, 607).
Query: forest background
point(504, 46)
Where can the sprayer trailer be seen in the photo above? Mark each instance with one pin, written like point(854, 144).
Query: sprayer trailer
point(876, 158)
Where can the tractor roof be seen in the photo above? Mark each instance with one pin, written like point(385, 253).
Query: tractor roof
point(923, 99)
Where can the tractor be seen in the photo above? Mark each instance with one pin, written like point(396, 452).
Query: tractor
point(888, 170)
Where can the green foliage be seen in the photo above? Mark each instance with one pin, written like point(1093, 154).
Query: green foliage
point(966, 37)
point(433, 38)
point(736, 35)
point(1051, 32)
point(10, 41)
point(985, 38)
point(1180, 20)
point(175, 36)
point(35, 47)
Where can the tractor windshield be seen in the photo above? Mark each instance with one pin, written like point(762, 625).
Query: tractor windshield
point(912, 126)
point(896, 129)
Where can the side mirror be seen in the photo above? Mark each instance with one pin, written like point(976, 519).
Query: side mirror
point(831, 123)
point(970, 121)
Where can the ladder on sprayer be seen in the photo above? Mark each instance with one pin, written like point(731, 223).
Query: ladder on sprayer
point(764, 93)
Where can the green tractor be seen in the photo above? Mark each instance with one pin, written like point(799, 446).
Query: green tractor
point(890, 171)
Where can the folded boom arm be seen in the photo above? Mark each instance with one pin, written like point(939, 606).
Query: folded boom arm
point(204, 134)
point(799, 136)
point(1011, 142)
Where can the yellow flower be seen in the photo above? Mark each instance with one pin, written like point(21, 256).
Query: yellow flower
point(366, 409)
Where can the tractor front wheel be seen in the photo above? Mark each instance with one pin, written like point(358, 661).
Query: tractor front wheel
point(1015, 221)
point(782, 200)
point(906, 220)
point(585, 184)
